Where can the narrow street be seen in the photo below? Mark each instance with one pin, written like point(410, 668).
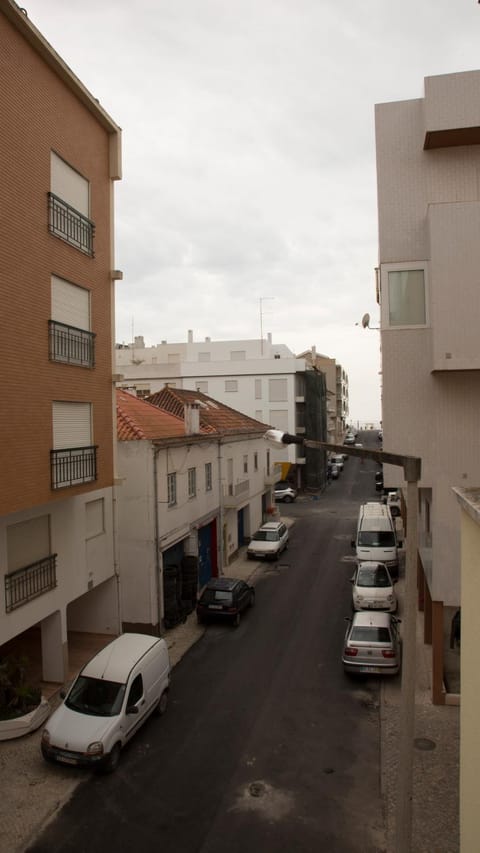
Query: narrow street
point(266, 744)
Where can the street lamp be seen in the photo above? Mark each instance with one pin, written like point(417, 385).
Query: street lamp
point(412, 467)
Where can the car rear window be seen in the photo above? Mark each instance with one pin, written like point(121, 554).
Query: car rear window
point(376, 538)
point(210, 596)
point(370, 634)
point(265, 536)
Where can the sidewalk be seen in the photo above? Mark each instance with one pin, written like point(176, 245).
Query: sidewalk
point(32, 792)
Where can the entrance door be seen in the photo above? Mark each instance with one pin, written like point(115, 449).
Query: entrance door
point(207, 553)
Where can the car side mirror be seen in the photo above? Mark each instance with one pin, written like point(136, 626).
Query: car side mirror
point(400, 544)
point(132, 709)
point(347, 618)
point(63, 693)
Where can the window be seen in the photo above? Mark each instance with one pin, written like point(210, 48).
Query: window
point(136, 691)
point(277, 390)
point(245, 464)
point(268, 462)
point(202, 387)
point(406, 297)
point(255, 461)
point(142, 391)
point(208, 477)
point(231, 385)
point(69, 206)
point(73, 457)
point(258, 415)
point(279, 419)
point(204, 356)
point(172, 489)
point(238, 355)
point(69, 328)
point(258, 389)
point(31, 565)
point(192, 482)
point(94, 518)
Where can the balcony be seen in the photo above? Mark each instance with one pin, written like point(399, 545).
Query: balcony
point(71, 345)
point(234, 494)
point(70, 225)
point(72, 466)
point(25, 584)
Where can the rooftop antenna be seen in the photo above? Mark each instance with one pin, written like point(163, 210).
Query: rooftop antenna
point(262, 300)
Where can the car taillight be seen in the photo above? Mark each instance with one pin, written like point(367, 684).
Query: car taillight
point(351, 652)
point(388, 653)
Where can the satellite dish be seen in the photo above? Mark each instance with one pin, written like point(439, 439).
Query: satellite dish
point(366, 321)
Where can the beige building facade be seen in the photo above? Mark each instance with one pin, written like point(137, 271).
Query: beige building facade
point(428, 163)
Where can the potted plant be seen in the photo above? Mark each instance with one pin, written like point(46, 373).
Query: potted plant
point(22, 707)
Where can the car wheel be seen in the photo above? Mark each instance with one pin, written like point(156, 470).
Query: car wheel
point(236, 620)
point(112, 760)
point(162, 704)
point(287, 499)
point(252, 599)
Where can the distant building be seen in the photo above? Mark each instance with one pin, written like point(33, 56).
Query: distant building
point(336, 378)
point(428, 162)
point(197, 481)
point(61, 154)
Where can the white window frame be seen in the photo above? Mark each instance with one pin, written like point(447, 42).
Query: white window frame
point(172, 489)
point(208, 477)
point(405, 266)
point(231, 386)
point(192, 482)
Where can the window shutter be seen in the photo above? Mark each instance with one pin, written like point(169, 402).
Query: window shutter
point(70, 304)
point(69, 185)
point(72, 425)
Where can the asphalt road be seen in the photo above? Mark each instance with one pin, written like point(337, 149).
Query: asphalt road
point(266, 745)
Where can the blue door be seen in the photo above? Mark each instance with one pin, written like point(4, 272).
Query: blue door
point(207, 553)
point(240, 528)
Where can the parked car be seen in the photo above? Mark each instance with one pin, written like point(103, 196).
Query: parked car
point(373, 588)
point(108, 702)
point(349, 439)
point(372, 644)
point(394, 503)
point(225, 598)
point(268, 541)
point(337, 459)
point(284, 491)
point(334, 471)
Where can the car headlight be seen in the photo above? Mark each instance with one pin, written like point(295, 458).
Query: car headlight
point(95, 748)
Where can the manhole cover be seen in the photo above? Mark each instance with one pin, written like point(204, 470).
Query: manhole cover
point(424, 743)
point(257, 789)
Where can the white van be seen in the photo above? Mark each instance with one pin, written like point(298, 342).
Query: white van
point(108, 702)
point(376, 537)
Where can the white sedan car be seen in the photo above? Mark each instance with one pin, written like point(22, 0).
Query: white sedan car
point(373, 587)
point(268, 541)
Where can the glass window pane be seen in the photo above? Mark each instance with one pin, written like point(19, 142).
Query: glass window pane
point(406, 298)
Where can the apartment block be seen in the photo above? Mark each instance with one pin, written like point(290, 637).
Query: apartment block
point(60, 154)
point(428, 166)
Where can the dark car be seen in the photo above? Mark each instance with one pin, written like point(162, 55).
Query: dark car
point(225, 598)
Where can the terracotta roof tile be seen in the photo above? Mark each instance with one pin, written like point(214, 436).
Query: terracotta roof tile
point(214, 416)
point(138, 419)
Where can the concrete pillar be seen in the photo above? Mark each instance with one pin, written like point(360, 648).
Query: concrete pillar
point(54, 649)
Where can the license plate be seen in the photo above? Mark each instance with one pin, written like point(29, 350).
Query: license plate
point(65, 760)
point(369, 668)
point(214, 606)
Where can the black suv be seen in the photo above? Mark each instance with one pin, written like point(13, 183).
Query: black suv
point(226, 598)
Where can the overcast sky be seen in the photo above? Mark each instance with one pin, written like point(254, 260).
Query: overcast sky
point(249, 157)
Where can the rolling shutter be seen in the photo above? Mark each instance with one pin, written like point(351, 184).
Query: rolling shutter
point(72, 425)
point(70, 304)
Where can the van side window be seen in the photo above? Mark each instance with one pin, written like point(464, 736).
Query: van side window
point(136, 691)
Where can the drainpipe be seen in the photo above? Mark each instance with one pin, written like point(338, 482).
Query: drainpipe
point(115, 527)
point(156, 541)
point(220, 504)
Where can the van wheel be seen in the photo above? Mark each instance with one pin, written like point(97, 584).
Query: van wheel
point(112, 760)
point(162, 704)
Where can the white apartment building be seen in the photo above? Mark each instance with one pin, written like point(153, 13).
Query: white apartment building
point(257, 377)
point(428, 167)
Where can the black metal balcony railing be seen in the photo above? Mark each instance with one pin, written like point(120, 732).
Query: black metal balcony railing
point(70, 225)
point(72, 466)
point(30, 582)
point(71, 345)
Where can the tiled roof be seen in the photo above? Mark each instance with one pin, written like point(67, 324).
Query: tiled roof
point(138, 419)
point(214, 416)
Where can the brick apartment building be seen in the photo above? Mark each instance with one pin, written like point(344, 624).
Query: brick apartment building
point(60, 155)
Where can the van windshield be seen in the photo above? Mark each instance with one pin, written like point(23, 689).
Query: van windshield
point(96, 697)
point(377, 538)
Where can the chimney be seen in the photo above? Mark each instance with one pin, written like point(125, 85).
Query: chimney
point(190, 336)
point(192, 418)
point(314, 353)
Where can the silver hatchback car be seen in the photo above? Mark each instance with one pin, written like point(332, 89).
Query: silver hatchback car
point(372, 644)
